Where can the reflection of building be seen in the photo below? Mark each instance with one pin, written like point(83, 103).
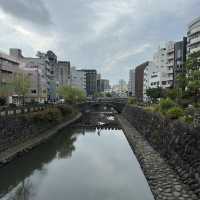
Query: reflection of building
point(63, 73)
point(180, 51)
point(78, 78)
point(131, 83)
point(91, 81)
point(193, 36)
point(139, 78)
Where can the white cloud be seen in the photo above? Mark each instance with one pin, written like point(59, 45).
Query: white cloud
point(104, 34)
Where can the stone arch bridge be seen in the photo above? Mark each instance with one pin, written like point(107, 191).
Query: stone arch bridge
point(117, 103)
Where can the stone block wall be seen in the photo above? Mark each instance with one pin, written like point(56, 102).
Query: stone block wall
point(15, 130)
point(176, 141)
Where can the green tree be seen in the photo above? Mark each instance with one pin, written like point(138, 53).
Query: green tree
point(154, 94)
point(21, 85)
point(193, 76)
point(72, 95)
point(5, 91)
point(108, 94)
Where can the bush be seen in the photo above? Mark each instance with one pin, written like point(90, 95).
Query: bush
point(188, 119)
point(156, 108)
point(65, 110)
point(2, 101)
point(49, 115)
point(165, 105)
point(53, 115)
point(175, 113)
point(132, 101)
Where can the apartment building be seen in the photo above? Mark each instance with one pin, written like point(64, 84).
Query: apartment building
point(91, 81)
point(131, 83)
point(180, 52)
point(63, 73)
point(152, 77)
point(10, 68)
point(139, 80)
point(164, 60)
point(193, 36)
point(78, 78)
point(43, 63)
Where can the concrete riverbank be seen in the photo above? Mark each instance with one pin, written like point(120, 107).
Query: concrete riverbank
point(164, 182)
point(31, 142)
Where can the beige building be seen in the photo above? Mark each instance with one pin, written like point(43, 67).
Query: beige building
point(63, 73)
point(10, 67)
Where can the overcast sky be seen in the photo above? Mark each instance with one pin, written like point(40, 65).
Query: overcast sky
point(111, 36)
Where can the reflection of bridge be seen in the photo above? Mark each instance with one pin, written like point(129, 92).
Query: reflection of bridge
point(117, 103)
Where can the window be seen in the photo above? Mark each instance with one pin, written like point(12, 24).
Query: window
point(178, 53)
point(33, 91)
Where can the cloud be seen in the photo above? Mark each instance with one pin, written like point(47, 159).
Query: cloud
point(109, 35)
point(33, 11)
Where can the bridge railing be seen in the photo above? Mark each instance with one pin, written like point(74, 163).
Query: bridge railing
point(12, 111)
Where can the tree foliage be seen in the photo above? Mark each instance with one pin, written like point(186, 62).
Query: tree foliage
point(72, 95)
point(21, 85)
point(154, 93)
point(193, 75)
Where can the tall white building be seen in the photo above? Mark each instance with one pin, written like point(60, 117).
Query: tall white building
point(131, 83)
point(193, 35)
point(164, 59)
point(159, 73)
point(78, 78)
point(151, 78)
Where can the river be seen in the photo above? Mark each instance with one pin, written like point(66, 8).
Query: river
point(76, 164)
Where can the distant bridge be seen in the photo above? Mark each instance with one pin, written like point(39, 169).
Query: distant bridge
point(117, 103)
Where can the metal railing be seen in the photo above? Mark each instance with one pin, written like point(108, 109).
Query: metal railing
point(12, 111)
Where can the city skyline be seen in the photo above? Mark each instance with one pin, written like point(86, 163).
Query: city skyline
point(106, 36)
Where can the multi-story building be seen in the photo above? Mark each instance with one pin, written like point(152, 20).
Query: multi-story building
point(164, 59)
point(63, 73)
point(10, 67)
point(151, 78)
point(103, 85)
point(131, 83)
point(45, 64)
point(120, 89)
point(180, 52)
point(91, 81)
point(78, 79)
point(38, 85)
point(193, 36)
point(139, 80)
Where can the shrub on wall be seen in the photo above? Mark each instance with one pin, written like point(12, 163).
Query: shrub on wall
point(65, 109)
point(132, 101)
point(175, 113)
point(165, 105)
point(51, 115)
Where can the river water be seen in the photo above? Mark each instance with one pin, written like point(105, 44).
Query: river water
point(76, 164)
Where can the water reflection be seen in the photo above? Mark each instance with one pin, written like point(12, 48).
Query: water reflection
point(77, 165)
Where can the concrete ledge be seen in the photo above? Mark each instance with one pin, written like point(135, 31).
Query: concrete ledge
point(164, 182)
point(12, 152)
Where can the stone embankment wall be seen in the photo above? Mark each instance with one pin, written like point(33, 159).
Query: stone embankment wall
point(177, 142)
point(24, 131)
